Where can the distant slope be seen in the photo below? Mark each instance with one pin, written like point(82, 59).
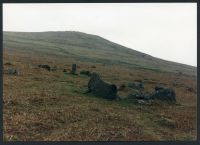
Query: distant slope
point(86, 47)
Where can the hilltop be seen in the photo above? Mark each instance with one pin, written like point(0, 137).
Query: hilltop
point(88, 48)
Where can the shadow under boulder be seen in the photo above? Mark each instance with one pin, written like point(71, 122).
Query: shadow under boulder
point(100, 88)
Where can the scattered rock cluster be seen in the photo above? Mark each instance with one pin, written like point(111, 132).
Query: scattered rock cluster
point(105, 90)
point(160, 93)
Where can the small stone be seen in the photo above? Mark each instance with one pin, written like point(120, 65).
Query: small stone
point(45, 66)
point(73, 69)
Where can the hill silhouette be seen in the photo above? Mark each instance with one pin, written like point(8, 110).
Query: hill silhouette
point(87, 47)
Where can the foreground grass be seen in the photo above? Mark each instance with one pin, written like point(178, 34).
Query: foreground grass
point(51, 106)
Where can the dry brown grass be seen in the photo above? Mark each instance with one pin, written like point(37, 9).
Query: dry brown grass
point(42, 105)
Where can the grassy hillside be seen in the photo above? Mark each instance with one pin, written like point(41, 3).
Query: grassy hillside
point(41, 105)
point(89, 48)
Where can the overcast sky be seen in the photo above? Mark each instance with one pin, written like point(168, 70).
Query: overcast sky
point(163, 30)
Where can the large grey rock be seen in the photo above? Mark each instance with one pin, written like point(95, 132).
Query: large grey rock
point(164, 94)
point(100, 88)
